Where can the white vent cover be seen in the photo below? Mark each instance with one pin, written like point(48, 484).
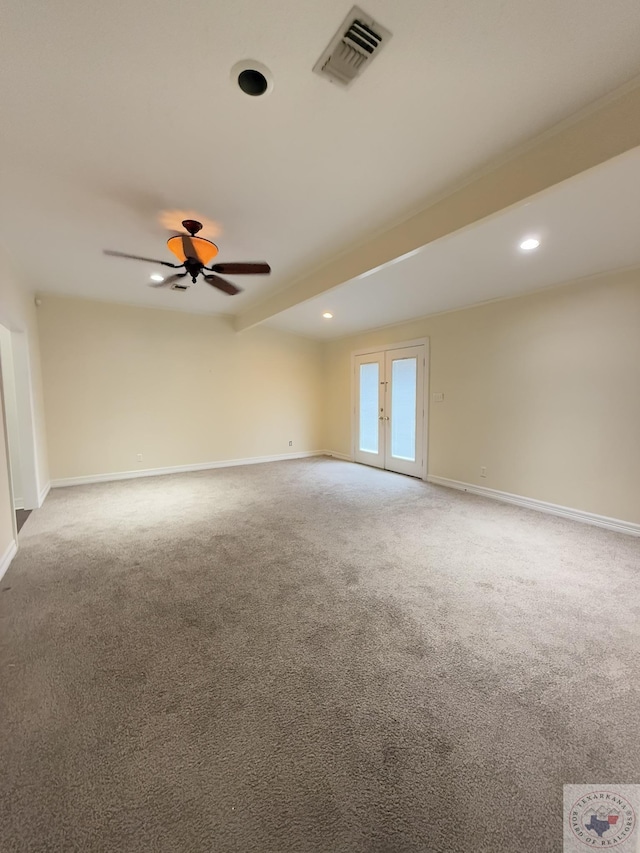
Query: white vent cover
point(352, 48)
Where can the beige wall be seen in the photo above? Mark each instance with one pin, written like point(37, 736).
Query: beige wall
point(543, 390)
point(179, 388)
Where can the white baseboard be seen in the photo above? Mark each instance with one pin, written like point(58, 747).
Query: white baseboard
point(334, 453)
point(179, 469)
point(7, 557)
point(615, 524)
point(43, 494)
point(18, 503)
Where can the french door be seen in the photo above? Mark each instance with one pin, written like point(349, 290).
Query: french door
point(389, 409)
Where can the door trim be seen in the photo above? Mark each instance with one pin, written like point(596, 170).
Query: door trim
point(354, 403)
point(29, 463)
point(14, 524)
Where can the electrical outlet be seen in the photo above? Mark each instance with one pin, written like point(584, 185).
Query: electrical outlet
point(139, 457)
point(290, 444)
point(483, 471)
point(437, 397)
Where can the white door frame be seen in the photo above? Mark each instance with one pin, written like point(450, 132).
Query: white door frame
point(31, 487)
point(354, 403)
point(3, 422)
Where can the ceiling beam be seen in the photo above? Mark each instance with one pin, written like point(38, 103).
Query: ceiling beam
point(604, 130)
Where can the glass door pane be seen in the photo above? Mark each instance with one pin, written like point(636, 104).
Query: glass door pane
point(403, 408)
point(369, 385)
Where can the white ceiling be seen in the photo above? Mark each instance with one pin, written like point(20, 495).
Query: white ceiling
point(113, 112)
point(585, 225)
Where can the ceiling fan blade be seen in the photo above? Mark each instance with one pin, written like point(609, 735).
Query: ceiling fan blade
point(168, 281)
point(139, 258)
point(188, 248)
point(222, 284)
point(249, 268)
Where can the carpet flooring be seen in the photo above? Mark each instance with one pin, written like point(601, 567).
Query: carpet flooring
point(310, 657)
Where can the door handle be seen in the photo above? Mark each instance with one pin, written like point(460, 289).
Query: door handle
point(382, 419)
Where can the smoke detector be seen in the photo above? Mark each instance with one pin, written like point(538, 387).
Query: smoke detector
point(351, 50)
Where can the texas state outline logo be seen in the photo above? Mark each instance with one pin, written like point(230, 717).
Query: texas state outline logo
point(601, 818)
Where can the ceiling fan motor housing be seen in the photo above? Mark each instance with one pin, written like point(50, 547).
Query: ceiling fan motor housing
point(193, 268)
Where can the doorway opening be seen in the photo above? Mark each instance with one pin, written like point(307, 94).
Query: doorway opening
point(15, 386)
point(390, 408)
point(11, 423)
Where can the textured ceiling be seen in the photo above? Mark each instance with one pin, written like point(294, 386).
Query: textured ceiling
point(585, 225)
point(114, 113)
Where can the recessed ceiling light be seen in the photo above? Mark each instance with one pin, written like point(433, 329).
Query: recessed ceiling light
point(327, 315)
point(253, 78)
point(529, 244)
point(157, 277)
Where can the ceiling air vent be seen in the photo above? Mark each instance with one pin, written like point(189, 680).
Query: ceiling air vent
point(352, 48)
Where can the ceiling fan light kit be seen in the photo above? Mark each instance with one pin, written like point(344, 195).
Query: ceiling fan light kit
point(194, 253)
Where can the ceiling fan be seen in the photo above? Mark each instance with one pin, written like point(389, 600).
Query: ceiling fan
point(194, 253)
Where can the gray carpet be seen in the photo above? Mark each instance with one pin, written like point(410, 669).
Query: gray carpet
point(309, 656)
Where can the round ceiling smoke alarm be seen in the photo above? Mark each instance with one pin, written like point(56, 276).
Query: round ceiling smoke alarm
point(253, 77)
